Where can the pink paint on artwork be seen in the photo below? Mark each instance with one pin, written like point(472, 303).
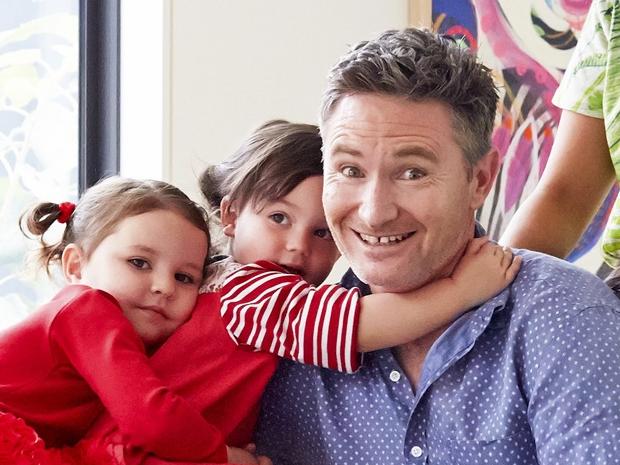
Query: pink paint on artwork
point(505, 47)
point(574, 12)
point(574, 7)
point(545, 147)
point(502, 135)
point(519, 167)
point(463, 31)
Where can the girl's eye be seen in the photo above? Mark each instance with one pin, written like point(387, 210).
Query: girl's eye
point(323, 233)
point(279, 218)
point(139, 263)
point(184, 278)
point(413, 174)
point(351, 172)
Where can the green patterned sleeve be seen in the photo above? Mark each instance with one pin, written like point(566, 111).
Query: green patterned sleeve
point(581, 89)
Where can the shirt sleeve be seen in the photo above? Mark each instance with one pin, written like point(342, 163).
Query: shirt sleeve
point(571, 382)
point(582, 86)
point(271, 310)
point(102, 346)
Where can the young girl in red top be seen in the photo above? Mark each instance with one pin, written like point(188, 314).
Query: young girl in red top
point(133, 253)
point(267, 298)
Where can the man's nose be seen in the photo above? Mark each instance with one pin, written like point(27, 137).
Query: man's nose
point(377, 205)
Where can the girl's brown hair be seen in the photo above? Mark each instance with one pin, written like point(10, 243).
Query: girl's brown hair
point(101, 209)
point(270, 163)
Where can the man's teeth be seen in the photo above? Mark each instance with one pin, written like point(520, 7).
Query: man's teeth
point(383, 239)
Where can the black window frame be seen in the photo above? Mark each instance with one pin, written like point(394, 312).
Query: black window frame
point(99, 94)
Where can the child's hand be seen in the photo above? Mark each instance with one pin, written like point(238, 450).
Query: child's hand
point(247, 455)
point(484, 270)
point(241, 456)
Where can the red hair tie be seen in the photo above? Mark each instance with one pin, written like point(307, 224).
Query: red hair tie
point(66, 210)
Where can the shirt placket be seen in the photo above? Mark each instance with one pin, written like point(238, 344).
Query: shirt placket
point(403, 393)
point(440, 357)
point(416, 446)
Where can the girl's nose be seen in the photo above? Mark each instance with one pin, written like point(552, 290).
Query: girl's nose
point(163, 284)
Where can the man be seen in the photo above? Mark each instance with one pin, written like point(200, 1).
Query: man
point(531, 376)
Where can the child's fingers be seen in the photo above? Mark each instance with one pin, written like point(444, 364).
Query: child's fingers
point(474, 246)
point(490, 250)
point(507, 257)
point(514, 267)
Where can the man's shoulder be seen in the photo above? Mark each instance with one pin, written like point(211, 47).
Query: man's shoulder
point(546, 279)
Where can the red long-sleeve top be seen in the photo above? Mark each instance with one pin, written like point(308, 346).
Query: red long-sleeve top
point(76, 356)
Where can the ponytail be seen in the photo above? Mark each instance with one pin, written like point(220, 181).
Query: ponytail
point(36, 222)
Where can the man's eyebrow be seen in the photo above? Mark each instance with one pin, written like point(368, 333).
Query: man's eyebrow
point(402, 153)
point(416, 152)
point(345, 149)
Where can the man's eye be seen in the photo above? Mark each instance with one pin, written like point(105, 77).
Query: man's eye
point(184, 278)
point(414, 173)
point(279, 218)
point(323, 233)
point(351, 172)
point(139, 263)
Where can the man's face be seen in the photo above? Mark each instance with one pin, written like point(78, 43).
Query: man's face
point(397, 195)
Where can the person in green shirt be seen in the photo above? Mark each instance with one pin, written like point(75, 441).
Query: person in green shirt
point(585, 159)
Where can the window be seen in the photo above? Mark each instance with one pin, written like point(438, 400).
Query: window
point(58, 123)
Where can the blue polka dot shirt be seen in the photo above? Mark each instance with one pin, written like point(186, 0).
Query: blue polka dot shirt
point(530, 377)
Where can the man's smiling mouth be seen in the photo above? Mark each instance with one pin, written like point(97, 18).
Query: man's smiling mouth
point(384, 240)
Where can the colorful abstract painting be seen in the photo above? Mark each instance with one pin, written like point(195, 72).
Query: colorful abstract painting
point(528, 44)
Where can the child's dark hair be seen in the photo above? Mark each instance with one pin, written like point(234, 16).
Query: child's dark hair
point(270, 163)
point(102, 208)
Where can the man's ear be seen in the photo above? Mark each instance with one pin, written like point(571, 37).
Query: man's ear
point(228, 215)
point(73, 259)
point(483, 177)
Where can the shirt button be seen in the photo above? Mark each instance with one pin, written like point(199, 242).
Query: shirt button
point(416, 451)
point(395, 376)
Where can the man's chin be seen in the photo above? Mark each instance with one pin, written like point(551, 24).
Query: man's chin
point(389, 281)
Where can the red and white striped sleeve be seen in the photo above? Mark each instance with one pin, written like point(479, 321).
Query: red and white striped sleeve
point(270, 309)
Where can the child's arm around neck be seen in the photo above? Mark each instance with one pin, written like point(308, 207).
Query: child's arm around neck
point(390, 319)
point(265, 307)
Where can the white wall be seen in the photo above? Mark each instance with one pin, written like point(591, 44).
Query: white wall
point(142, 86)
point(236, 63)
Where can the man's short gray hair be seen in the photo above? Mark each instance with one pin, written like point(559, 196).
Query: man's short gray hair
point(420, 65)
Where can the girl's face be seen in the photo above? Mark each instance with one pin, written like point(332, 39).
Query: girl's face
point(291, 232)
point(152, 264)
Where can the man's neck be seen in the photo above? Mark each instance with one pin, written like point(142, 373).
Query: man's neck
point(411, 355)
